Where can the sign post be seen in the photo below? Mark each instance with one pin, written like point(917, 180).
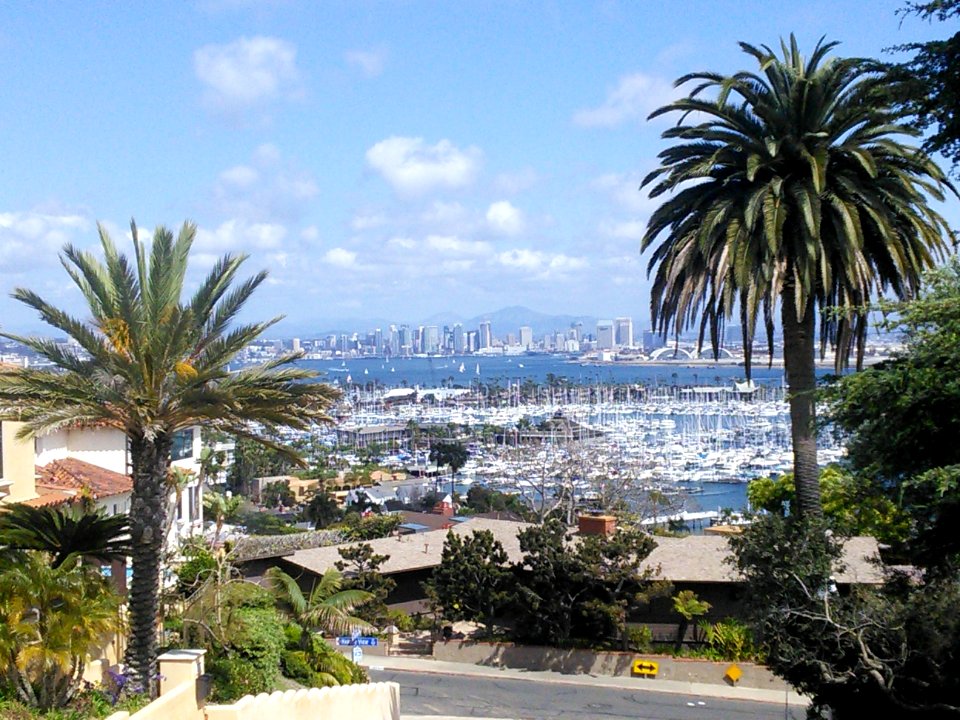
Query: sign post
point(357, 654)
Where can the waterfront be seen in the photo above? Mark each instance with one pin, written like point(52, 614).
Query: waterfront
point(427, 372)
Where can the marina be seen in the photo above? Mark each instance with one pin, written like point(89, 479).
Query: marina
point(656, 448)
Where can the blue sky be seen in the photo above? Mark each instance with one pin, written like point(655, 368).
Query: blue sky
point(381, 159)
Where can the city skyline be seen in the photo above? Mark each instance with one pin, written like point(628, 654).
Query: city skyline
point(381, 161)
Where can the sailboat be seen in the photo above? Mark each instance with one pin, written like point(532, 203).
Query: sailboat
point(461, 367)
point(478, 368)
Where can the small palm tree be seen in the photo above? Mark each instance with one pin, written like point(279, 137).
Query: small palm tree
point(154, 363)
point(65, 532)
point(51, 619)
point(790, 185)
point(221, 508)
point(326, 609)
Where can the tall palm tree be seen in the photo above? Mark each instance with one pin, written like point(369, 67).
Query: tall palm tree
point(790, 185)
point(327, 608)
point(154, 363)
point(65, 532)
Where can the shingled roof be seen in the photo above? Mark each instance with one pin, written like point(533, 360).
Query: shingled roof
point(74, 475)
point(694, 558)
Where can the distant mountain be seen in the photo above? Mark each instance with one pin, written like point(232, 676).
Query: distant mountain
point(503, 321)
point(510, 319)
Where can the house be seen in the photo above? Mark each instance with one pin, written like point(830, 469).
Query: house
point(95, 460)
point(695, 562)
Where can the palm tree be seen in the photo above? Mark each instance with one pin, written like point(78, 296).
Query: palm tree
point(221, 508)
point(327, 608)
point(51, 619)
point(154, 364)
point(65, 532)
point(790, 185)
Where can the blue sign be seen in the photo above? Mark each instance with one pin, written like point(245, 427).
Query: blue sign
point(359, 640)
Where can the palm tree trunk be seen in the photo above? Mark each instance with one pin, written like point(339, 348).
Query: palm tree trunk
point(151, 461)
point(799, 348)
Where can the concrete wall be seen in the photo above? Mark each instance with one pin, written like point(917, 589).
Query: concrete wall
point(529, 657)
point(18, 464)
point(376, 701)
point(103, 447)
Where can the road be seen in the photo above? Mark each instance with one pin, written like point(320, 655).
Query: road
point(438, 694)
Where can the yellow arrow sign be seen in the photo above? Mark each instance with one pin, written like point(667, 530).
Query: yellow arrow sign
point(645, 667)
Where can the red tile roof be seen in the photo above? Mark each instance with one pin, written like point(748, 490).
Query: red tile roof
point(72, 474)
point(54, 497)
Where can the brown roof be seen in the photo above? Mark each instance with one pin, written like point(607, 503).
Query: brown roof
point(72, 474)
point(54, 497)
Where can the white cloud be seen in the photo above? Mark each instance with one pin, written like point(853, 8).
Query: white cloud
point(456, 246)
point(624, 190)
point(412, 167)
point(28, 239)
point(369, 62)
point(248, 72)
point(267, 189)
point(542, 265)
point(401, 243)
point(340, 257)
point(504, 218)
point(633, 99)
point(237, 235)
point(368, 221)
point(311, 233)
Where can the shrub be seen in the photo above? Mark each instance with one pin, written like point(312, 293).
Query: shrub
point(402, 620)
point(297, 666)
point(234, 677)
point(640, 638)
point(730, 639)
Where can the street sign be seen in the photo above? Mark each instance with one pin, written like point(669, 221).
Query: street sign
point(357, 654)
point(645, 668)
point(733, 674)
point(361, 640)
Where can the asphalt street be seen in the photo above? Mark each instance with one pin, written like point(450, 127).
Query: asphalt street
point(424, 694)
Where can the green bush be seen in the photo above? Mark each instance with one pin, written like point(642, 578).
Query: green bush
point(250, 664)
point(402, 620)
point(640, 638)
point(297, 666)
point(201, 565)
point(729, 639)
point(234, 677)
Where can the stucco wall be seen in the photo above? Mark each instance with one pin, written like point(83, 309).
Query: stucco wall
point(178, 704)
point(17, 464)
point(375, 701)
point(531, 657)
point(103, 447)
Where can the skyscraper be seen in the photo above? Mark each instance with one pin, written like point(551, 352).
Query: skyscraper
point(458, 339)
point(624, 332)
point(486, 336)
point(526, 337)
point(605, 338)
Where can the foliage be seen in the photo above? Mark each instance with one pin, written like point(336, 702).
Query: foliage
point(482, 499)
point(567, 591)
point(198, 568)
point(150, 363)
point(371, 527)
point(277, 493)
point(902, 418)
point(858, 653)
point(327, 608)
point(322, 510)
point(449, 452)
point(51, 619)
point(65, 531)
point(223, 508)
point(252, 460)
point(640, 638)
point(266, 523)
point(361, 568)
point(790, 185)
point(473, 581)
point(729, 640)
point(926, 86)
point(688, 606)
point(851, 504)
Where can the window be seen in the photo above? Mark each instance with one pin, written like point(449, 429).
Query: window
point(182, 445)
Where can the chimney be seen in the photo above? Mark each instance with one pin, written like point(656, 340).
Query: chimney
point(604, 525)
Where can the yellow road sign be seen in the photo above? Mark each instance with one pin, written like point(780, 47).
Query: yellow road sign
point(733, 674)
point(647, 668)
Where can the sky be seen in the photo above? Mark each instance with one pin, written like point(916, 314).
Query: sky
point(382, 160)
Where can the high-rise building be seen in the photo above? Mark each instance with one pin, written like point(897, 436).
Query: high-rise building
point(296, 344)
point(378, 342)
point(652, 341)
point(406, 340)
point(623, 335)
point(473, 341)
point(605, 337)
point(394, 342)
point(526, 337)
point(458, 339)
point(431, 340)
point(486, 335)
